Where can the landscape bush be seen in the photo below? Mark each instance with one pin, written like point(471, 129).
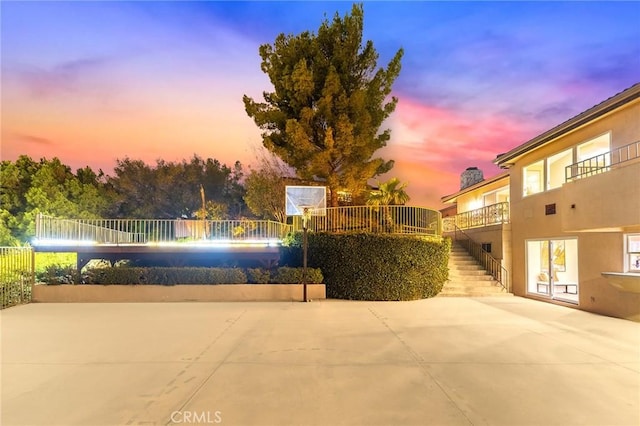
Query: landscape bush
point(175, 275)
point(58, 274)
point(164, 276)
point(365, 266)
point(289, 275)
point(258, 275)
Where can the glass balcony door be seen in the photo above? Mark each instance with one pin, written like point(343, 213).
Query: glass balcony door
point(552, 268)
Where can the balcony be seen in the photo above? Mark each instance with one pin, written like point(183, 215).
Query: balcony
point(603, 162)
point(494, 214)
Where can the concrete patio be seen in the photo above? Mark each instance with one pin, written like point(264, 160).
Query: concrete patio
point(442, 361)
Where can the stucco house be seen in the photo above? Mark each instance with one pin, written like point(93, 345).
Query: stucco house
point(572, 232)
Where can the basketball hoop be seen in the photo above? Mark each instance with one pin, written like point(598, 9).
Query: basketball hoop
point(305, 201)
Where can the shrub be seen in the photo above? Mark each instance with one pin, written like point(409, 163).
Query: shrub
point(227, 276)
point(58, 274)
point(364, 266)
point(116, 275)
point(288, 275)
point(258, 275)
point(165, 276)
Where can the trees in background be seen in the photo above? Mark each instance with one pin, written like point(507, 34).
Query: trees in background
point(329, 101)
point(28, 187)
point(171, 190)
point(167, 190)
point(265, 188)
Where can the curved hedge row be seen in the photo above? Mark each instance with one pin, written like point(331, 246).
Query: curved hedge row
point(364, 266)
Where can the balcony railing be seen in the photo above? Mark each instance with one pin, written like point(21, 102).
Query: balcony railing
point(494, 214)
point(603, 162)
point(382, 219)
point(142, 231)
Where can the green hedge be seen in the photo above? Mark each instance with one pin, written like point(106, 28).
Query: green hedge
point(172, 276)
point(164, 276)
point(284, 275)
point(363, 266)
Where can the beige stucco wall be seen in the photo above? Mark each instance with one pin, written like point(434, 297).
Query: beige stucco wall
point(597, 252)
point(600, 252)
point(179, 293)
point(489, 234)
point(606, 200)
point(603, 201)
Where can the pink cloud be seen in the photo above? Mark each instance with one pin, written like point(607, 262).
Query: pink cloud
point(29, 139)
point(433, 145)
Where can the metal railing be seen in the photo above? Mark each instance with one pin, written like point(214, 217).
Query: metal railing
point(603, 162)
point(488, 262)
point(116, 231)
point(382, 219)
point(17, 275)
point(494, 214)
point(141, 231)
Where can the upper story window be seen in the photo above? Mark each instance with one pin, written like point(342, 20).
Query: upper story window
point(498, 196)
point(550, 173)
point(594, 147)
point(533, 178)
point(556, 166)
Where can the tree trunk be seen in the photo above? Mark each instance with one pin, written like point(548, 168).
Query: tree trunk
point(334, 197)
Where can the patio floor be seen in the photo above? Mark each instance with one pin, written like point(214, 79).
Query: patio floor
point(441, 361)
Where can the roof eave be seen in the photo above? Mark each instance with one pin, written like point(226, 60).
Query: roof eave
point(496, 178)
point(505, 160)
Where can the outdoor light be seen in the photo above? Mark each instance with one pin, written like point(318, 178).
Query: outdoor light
point(61, 242)
point(224, 243)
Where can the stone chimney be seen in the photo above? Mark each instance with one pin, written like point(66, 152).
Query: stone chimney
point(469, 177)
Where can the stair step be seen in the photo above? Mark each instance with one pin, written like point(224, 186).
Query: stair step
point(467, 278)
point(471, 285)
point(479, 275)
point(466, 262)
point(465, 268)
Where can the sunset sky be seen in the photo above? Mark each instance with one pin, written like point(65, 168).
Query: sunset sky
point(90, 82)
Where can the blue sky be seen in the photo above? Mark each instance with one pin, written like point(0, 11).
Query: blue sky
point(90, 82)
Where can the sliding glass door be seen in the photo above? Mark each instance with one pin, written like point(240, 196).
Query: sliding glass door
point(552, 268)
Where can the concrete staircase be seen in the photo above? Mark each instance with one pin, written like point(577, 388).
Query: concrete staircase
point(467, 278)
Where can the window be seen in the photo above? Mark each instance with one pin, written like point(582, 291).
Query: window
point(633, 252)
point(498, 196)
point(533, 175)
point(556, 166)
point(593, 147)
point(591, 157)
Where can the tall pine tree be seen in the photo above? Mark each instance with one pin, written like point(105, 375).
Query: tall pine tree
point(329, 100)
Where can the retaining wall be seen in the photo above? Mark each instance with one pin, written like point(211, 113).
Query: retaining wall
point(93, 293)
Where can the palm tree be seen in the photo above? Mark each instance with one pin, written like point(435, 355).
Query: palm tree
point(391, 193)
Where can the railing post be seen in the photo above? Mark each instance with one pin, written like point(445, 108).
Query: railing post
point(38, 220)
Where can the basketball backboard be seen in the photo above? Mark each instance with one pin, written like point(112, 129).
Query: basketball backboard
point(311, 200)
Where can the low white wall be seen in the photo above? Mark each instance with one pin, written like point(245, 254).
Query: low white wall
point(93, 293)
